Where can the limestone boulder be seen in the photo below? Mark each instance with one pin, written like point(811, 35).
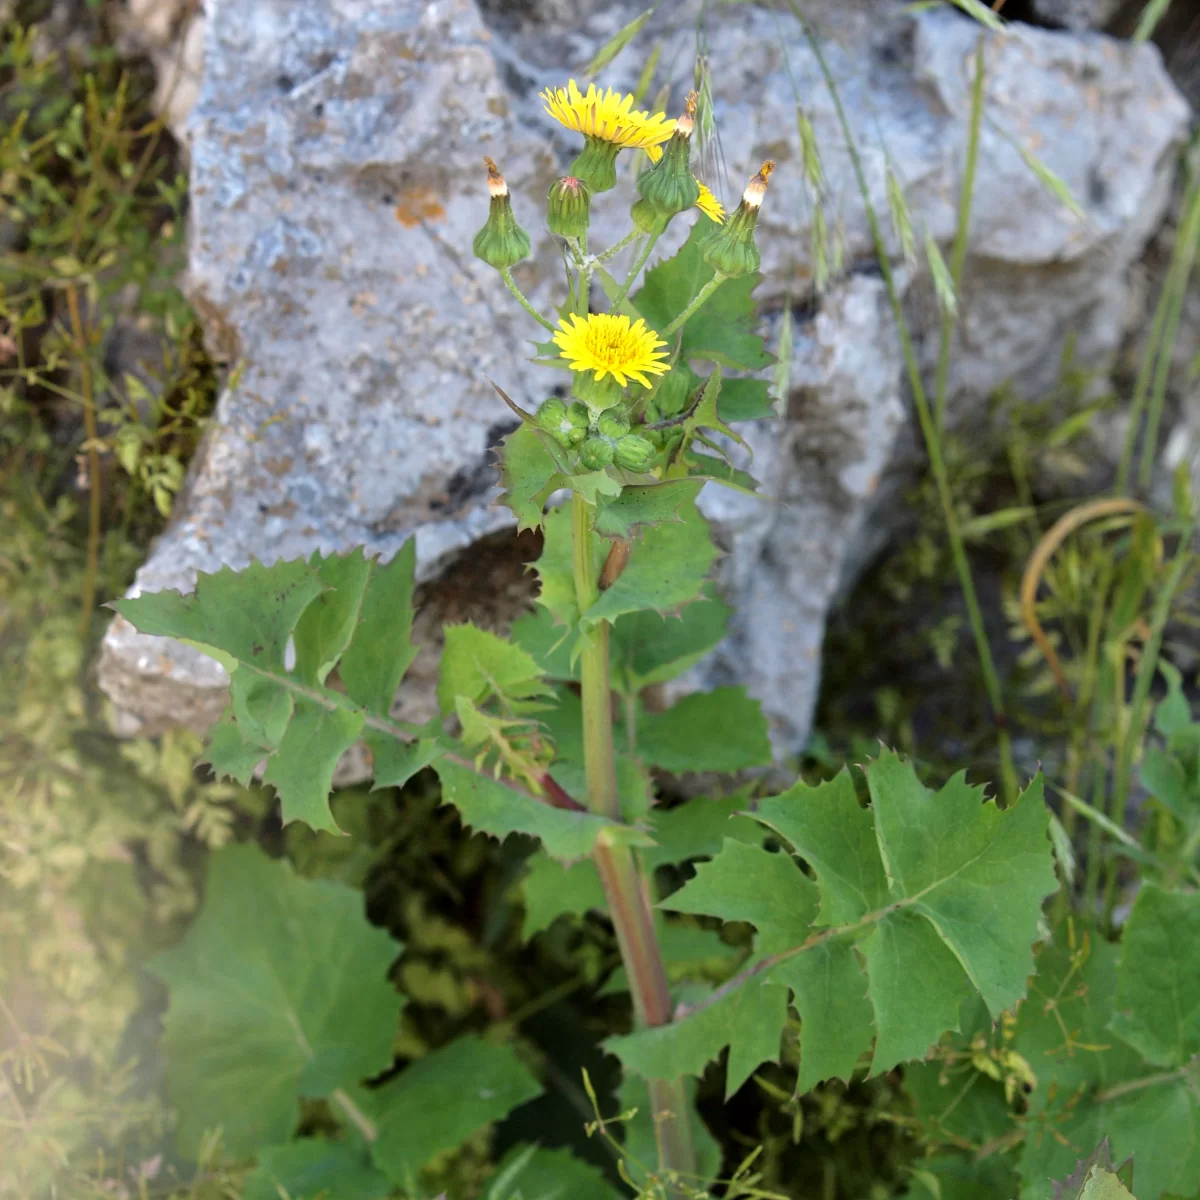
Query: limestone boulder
point(337, 184)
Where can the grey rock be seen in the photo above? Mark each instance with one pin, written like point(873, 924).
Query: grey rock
point(336, 189)
point(1077, 15)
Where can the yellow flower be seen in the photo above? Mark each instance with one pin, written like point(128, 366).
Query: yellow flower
point(710, 206)
point(608, 344)
point(609, 117)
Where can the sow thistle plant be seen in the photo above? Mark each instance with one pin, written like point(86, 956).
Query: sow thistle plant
point(876, 925)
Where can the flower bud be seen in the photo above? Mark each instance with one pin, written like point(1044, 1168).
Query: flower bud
point(669, 187)
point(634, 453)
point(596, 453)
point(596, 164)
point(501, 243)
point(732, 250)
point(647, 218)
point(569, 210)
point(597, 394)
point(613, 423)
point(567, 426)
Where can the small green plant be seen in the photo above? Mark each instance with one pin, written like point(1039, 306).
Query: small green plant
point(549, 735)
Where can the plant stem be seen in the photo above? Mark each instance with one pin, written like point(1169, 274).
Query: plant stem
point(933, 442)
point(519, 295)
point(959, 255)
point(1136, 723)
point(1187, 239)
point(701, 296)
point(631, 237)
point(634, 271)
point(624, 883)
point(93, 458)
point(1174, 285)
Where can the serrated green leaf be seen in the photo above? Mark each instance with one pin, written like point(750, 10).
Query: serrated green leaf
point(1158, 996)
point(721, 730)
point(527, 467)
point(745, 399)
point(490, 807)
point(298, 725)
point(440, 1100)
point(722, 329)
point(649, 647)
point(699, 828)
point(667, 568)
point(230, 755)
point(394, 763)
point(478, 665)
point(706, 466)
point(278, 990)
point(247, 614)
point(1094, 1179)
point(748, 883)
point(964, 887)
point(749, 1020)
point(551, 890)
point(838, 836)
point(555, 570)
point(302, 771)
point(976, 873)
point(327, 624)
point(829, 990)
point(375, 661)
point(311, 1169)
point(639, 507)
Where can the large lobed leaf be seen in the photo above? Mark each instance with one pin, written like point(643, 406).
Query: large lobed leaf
point(946, 880)
point(278, 991)
point(348, 612)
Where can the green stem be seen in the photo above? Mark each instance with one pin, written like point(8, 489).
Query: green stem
point(701, 296)
point(959, 254)
point(1138, 707)
point(628, 240)
point(519, 295)
point(933, 442)
point(1185, 246)
point(1154, 343)
point(625, 884)
point(634, 271)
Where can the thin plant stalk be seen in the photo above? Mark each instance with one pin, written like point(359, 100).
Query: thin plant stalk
point(958, 255)
point(933, 442)
point(634, 271)
point(93, 457)
point(1134, 726)
point(1157, 346)
point(1187, 238)
point(625, 885)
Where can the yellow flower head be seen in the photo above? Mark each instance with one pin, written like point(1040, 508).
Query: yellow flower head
point(609, 117)
point(608, 344)
point(710, 206)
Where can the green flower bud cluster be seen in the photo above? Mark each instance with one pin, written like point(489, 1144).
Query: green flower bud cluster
point(566, 424)
point(501, 243)
point(732, 250)
point(600, 442)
